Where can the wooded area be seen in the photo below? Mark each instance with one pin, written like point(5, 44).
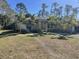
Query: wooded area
point(59, 19)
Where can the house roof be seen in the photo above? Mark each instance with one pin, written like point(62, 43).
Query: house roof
point(41, 18)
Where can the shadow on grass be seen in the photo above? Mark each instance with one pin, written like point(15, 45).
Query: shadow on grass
point(62, 36)
point(8, 33)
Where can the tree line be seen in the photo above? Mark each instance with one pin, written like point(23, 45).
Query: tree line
point(59, 19)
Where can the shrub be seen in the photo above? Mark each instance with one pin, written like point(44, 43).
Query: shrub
point(62, 37)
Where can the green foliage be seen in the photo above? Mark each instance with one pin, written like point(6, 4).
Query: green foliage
point(21, 8)
point(55, 21)
point(4, 20)
point(62, 37)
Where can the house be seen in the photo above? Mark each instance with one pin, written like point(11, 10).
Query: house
point(77, 27)
point(43, 23)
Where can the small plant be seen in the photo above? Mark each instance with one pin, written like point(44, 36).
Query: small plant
point(53, 37)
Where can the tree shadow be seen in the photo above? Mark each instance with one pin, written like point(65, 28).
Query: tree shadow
point(66, 36)
point(8, 33)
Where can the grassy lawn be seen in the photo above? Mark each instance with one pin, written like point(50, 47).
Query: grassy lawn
point(22, 46)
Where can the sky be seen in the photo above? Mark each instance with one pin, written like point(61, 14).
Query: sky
point(33, 6)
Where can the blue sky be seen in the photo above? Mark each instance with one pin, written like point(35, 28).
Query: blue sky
point(33, 6)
